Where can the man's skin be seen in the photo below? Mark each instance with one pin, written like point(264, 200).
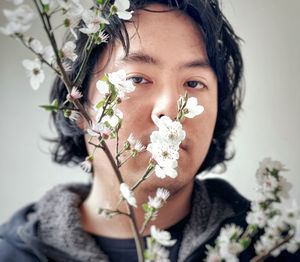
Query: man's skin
point(166, 59)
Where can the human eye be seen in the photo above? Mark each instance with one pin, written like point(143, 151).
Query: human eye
point(138, 80)
point(194, 84)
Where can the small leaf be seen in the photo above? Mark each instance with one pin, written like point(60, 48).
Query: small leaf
point(146, 254)
point(104, 78)
point(245, 242)
point(46, 8)
point(100, 2)
point(100, 104)
point(49, 107)
point(145, 207)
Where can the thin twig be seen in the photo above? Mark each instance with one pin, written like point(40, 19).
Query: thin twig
point(39, 55)
point(88, 51)
point(47, 26)
point(265, 256)
point(143, 178)
point(145, 224)
point(130, 156)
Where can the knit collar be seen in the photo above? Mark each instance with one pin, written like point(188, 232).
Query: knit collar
point(59, 235)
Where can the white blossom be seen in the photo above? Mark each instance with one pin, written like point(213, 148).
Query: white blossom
point(92, 21)
point(128, 194)
point(159, 199)
point(14, 28)
point(260, 247)
point(230, 248)
point(113, 118)
point(290, 211)
point(16, 2)
point(96, 130)
point(164, 146)
point(69, 5)
point(268, 164)
point(156, 252)
point(284, 187)
point(36, 46)
point(154, 202)
point(74, 115)
point(75, 94)
point(102, 36)
point(48, 54)
point(162, 194)
point(256, 216)
point(121, 7)
point(122, 85)
point(297, 231)
point(68, 50)
point(192, 108)
point(35, 72)
point(213, 256)
point(276, 224)
point(18, 20)
point(139, 147)
point(23, 14)
point(47, 2)
point(170, 131)
point(102, 87)
point(131, 139)
point(161, 236)
point(86, 165)
point(164, 155)
point(292, 246)
point(163, 172)
point(136, 144)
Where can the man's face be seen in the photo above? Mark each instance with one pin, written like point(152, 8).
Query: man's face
point(167, 58)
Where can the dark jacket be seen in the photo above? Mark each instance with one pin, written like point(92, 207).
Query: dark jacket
point(50, 229)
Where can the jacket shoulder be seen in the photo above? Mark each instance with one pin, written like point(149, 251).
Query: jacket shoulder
point(10, 253)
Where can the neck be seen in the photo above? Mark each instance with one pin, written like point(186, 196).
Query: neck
point(105, 194)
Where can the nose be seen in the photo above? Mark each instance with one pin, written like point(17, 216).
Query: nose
point(165, 102)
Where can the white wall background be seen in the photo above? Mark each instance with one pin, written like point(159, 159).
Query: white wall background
point(268, 126)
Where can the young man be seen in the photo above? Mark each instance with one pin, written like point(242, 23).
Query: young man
point(166, 50)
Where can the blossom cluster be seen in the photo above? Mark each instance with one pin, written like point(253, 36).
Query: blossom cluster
point(279, 220)
point(72, 12)
point(165, 143)
point(155, 245)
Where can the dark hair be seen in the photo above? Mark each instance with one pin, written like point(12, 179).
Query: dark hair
point(222, 47)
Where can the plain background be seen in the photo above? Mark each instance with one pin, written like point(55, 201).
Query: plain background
point(269, 125)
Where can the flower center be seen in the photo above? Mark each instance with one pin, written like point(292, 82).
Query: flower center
point(36, 71)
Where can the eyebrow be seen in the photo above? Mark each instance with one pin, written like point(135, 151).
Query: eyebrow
point(147, 59)
point(140, 58)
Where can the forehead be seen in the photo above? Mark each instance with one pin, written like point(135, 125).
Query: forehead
point(163, 34)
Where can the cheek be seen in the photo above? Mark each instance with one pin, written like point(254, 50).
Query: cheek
point(202, 132)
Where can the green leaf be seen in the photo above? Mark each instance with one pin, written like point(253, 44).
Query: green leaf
point(145, 207)
point(112, 135)
point(100, 2)
point(252, 230)
point(146, 254)
point(233, 237)
point(104, 78)
point(60, 53)
point(55, 102)
point(49, 107)
point(46, 8)
point(245, 242)
point(100, 104)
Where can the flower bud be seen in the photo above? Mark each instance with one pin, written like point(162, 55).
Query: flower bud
point(67, 112)
point(113, 9)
